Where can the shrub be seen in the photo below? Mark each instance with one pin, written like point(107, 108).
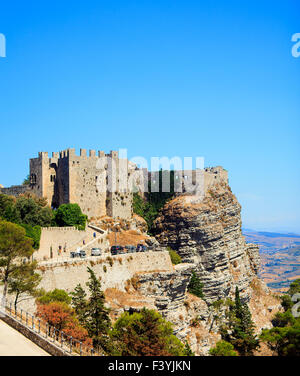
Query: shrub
point(57, 295)
point(175, 258)
point(195, 286)
point(146, 333)
point(223, 348)
point(69, 215)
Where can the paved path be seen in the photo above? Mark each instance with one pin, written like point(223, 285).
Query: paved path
point(14, 343)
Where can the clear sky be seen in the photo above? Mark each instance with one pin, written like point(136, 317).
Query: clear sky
point(160, 78)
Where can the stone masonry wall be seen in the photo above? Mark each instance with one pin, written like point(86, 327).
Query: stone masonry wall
point(114, 271)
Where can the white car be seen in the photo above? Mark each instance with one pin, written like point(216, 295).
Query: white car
point(96, 252)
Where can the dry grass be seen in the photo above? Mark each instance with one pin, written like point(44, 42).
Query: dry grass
point(130, 237)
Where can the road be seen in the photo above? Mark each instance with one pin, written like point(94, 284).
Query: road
point(14, 343)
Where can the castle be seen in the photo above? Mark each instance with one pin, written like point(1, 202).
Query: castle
point(101, 184)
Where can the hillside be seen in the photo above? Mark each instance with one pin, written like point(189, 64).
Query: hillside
point(280, 257)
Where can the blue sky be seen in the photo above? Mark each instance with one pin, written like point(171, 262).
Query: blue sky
point(160, 78)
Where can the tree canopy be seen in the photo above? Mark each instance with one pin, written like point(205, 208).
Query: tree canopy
point(69, 215)
point(13, 246)
point(146, 333)
point(284, 338)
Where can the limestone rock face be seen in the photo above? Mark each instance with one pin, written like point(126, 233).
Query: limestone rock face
point(207, 232)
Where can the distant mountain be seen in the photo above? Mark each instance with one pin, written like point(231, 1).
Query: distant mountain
point(280, 257)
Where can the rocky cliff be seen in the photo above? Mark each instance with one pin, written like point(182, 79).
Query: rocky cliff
point(207, 232)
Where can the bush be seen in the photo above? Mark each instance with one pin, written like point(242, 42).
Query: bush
point(223, 348)
point(195, 286)
point(146, 333)
point(57, 295)
point(69, 215)
point(34, 233)
point(175, 258)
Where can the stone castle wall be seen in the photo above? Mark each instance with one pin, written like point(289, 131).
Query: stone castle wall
point(64, 237)
point(67, 275)
point(15, 190)
point(84, 179)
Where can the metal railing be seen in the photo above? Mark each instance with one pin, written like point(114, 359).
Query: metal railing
point(66, 343)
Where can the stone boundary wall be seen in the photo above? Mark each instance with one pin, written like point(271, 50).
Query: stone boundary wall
point(15, 190)
point(64, 237)
point(113, 271)
point(49, 347)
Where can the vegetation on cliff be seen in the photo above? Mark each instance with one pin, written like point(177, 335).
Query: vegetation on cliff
point(149, 207)
point(87, 319)
point(195, 286)
point(223, 348)
point(175, 258)
point(239, 327)
point(145, 333)
point(284, 338)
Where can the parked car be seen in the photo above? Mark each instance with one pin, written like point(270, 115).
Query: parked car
point(82, 254)
point(96, 252)
point(116, 249)
point(141, 248)
point(75, 254)
point(130, 248)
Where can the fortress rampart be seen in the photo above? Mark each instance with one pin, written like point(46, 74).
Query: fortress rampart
point(101, 184)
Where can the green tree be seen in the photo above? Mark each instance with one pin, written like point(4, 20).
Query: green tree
point(240, 328)
point(145, 333)
point(69, 215)
point(149, 207)
point(284, 338)
point(79, 303)
point(195, 286)
point(56, 295)
point(187, 350)
point(34, 233)
point(8, 210)
point(223, 348)
point(97, 321)
point(24, 281)
point(13, 245)
point(283, 341)
point(175, 258)
point(294, 287)
point(26, 181)
point(30, 212)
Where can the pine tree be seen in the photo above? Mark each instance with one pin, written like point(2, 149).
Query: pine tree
point(97, 321)
point(242, 336)
point(79, 303)
point(195, 286)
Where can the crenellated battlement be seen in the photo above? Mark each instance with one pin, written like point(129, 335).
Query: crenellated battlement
point(84, 153)
point(103, 188)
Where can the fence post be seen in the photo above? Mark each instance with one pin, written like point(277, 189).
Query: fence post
point(61, 338)
point(10, 307)
point(71, 345)
point(80, 344)
point(21, 314)
point(32, 322)
point(46, 329)
point(39, 326)
point(26, 318)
